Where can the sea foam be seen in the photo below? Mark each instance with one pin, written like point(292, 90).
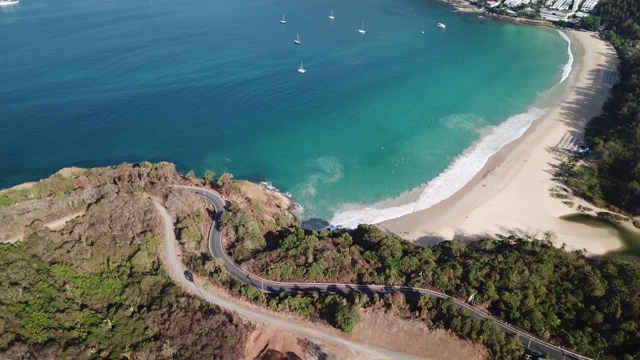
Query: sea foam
point(451, 180)
point(567, 67)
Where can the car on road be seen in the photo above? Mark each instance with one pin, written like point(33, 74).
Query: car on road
point(188, 275)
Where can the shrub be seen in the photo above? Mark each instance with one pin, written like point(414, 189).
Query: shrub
point(347, 318)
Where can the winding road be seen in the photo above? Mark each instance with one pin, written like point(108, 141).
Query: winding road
point(274, 287)
point(178, 272)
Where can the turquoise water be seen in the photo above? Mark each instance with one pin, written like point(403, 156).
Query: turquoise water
point(213, 85)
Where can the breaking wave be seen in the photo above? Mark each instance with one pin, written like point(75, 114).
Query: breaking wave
point(452, 179)
point(567, 67)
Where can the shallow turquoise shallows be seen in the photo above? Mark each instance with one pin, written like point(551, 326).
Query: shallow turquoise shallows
point(213, 85)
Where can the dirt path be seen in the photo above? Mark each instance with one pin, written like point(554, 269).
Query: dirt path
point(177, 271)
point(51, 225)
point(60, 223)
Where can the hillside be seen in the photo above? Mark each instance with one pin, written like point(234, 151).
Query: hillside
point(96, 287)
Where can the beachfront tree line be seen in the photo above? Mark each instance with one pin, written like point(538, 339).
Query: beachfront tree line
point(589, 304)
point(611, 175)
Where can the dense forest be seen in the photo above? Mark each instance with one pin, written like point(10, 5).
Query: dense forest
point(96, 287)
point(589, 304)
point(611, 174)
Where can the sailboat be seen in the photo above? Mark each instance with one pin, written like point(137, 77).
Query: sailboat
point(8, 2)
point(361, 30)
point(283, 21)
point(331, 16)
point(297, 40)
point(302, 70)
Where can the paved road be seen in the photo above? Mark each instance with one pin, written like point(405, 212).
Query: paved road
point(275, 287)
point(179, 273)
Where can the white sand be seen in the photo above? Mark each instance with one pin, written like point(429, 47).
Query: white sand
point(512, 192)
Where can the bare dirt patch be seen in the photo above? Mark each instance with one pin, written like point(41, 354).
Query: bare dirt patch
point(54, 225)
point(267, 340)
point(71, 171)
point(60, 223)
point(11, 240)
point(414, 337)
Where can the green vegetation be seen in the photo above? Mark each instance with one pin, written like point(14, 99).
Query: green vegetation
point(343, 312)
point(209, 176)
point(591, 23)
point(188, 230)
point(96, 288)
point(443, 314)
point(56, 186)
point(6, 200)
point(611, 174)
point(244, 227)
point(347, 317)
point(587, 304)
point(225, 183)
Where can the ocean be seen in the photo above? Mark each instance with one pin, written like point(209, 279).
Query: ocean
point(381, 124)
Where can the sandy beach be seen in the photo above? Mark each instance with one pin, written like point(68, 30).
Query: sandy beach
point(512, 192)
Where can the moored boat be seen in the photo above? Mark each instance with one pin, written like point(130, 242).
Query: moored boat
point(302, 70)
point(8, 2)
point(361, 30)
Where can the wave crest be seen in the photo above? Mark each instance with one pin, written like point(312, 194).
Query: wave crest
point(452, 179)
point(567, 67)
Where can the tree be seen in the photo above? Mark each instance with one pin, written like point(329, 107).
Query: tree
point(224, 181)
point(591, 23)
point(209, 175)
point(347, 317)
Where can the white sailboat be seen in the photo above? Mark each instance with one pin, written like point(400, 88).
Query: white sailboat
point(283, 21)
point(361, 30)
point(302, 70)
point(331, 16)
point(441, 25)
point(297, 40)
point(8, 2)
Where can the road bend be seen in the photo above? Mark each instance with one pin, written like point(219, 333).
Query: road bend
point(179, 274)
point(275, 287)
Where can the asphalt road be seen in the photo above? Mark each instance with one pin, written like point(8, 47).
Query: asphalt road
point(274, 287)
point(180, 275)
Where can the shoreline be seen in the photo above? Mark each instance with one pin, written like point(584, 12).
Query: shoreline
point(466, 165)
point(510, 195)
